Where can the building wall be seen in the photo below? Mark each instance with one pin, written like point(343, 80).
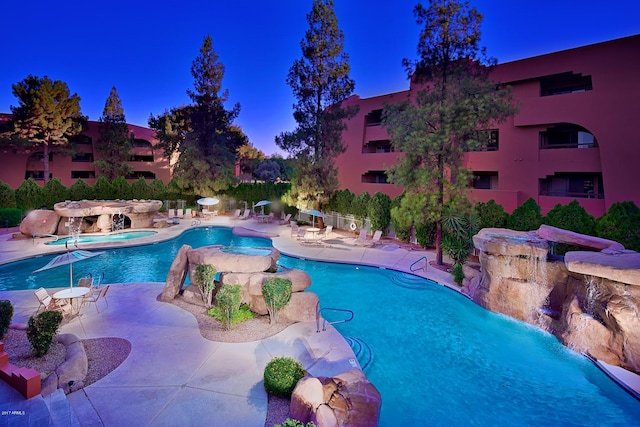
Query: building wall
point(608, 111)
point(16, 165)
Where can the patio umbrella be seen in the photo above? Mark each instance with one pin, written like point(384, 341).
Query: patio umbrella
point(68, 258)
point(261, 203)
point(314, 213)
point(208, 201)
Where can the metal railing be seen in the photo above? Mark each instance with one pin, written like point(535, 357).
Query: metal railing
point(324, 322)
point(34, 235)
point(420, 268)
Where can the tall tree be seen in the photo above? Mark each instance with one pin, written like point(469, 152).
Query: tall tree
point(47, 116)
point(452, 103)
point(202, 134)
point(249, 158)
point(114, 139)
point(320, 82)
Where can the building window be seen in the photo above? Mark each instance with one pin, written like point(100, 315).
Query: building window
point(375, 177)
point(82, 157)
point(381, 146)
point(485, 180)
point(83, 174)
point(374, 118)
point(141, 143)
point(141, 174)
point(37, 175)
point(39, 157)
point(562, 83)
point(141, 158)
point(487, 140)
point(81, 139)
point(566, 135)
point(577, 185)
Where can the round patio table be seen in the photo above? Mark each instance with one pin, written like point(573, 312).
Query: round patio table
point(71, 294)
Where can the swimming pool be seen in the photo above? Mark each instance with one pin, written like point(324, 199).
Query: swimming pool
point(436, 358)
point(113, 237)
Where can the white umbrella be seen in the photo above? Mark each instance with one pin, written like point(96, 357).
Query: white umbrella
point(208, 201)
point(314, 213)
point(68, 258)
point(261, 203)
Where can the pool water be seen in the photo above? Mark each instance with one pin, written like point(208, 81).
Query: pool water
point(436, 357)
point(113, 237)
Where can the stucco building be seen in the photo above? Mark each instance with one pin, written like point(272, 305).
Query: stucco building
point(573, 138)
point(147, 160)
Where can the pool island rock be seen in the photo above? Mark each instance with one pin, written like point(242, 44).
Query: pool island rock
point(588, 299)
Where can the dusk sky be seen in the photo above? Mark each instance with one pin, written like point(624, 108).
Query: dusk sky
point(145, 48)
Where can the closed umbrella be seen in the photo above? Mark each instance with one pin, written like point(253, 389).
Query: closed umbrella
point(68, 258)
point(314, 213)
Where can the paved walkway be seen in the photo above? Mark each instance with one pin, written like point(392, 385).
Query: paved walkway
point(173, 376)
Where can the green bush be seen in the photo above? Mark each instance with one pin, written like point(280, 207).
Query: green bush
point(29, 195)
point(457, 237)
point(41, 330)
point(7, 196)
point(572, 217)
point(243, 314)
point(491, 215)
point(13, 215)
point(102, 189)
point(6, 314)
point(277, 294)
point(281, 376)
point(621, 223)
point(426, 233)
point(360, 205)
point(158, 190)
point(294, 423)
point(228, 302)
point(54, 192)
point(526, 217)
point(80, 190)
point(121, 188)
point(458, 274)
point(204, 277)
point(140, 190)
point(379, 212)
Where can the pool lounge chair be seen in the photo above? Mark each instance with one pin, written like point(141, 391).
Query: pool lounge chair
point(236, 214)
point(246, 214)
point(285, 220)
point(362, 238)
point(375, 240)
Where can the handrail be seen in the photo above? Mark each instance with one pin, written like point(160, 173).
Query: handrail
point(195, 222)
point(34, 235)
point(325, 323)
point(417, 261)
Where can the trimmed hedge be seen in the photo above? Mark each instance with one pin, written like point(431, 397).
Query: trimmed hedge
point(281, 376)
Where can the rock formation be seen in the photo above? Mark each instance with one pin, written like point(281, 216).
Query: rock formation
point(590, 299)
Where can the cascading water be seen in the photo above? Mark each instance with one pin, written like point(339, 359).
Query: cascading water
point(118, 221)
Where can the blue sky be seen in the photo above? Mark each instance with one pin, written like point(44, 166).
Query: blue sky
point(145, 48)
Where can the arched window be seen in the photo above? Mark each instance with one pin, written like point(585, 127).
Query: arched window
point(141, 143)
point(567, 135)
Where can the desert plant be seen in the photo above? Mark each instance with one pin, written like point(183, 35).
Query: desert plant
point(281, 376)
point(41, 330)
point(277, 294)
point(526, 217)
point(6, 314)
point(294, 423)
point(243, 314)
point(204, 277)
point(228, 302)
point(458, 274)
point(457, 239)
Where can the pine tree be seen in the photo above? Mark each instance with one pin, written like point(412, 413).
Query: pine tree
point(202, 134)
point(47, 116)
point(452, 102)
point(320, 82)
point(114, 140)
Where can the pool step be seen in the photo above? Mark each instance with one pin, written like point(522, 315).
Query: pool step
point(362, 351)
point(409, 281)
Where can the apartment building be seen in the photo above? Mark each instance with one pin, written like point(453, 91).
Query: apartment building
point(573, 138)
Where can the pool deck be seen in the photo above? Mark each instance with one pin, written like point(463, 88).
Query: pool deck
point(173, 375)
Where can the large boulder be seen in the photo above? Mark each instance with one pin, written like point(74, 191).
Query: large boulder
point(233, 262)
point(558, 235)
point(39, 221)
point(177, 274)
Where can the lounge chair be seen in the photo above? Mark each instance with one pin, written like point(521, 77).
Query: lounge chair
point(236, 214)
point(294, 230)
point(171, 213)
point(375, 240)
point(362, 238)
point(246, 214)
point(188, 213)
point(325, 234)
point(179, 213)
point(285, 220)
point(95, 296)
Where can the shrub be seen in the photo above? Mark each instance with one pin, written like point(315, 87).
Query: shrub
point(41, 330)
point(102, 189)
point(379, 212)
point(6, 314)
point(54, 192)
point(277, 294)
point(572, 217)
point(158, 189)
point(228, 302)
point(360, 205)
point(458, 274)
point(29, 195)
point(80, 190)
point(621, 223)
point(491, 215)
point(243, 314)
point(204, 277)
point(281, 376)
point(457, 237)
point(121, 188)
point(526, 217)
point(140, 189)
point(294, 423)
point(7, 196)
point(426, 233)
point(13, 215)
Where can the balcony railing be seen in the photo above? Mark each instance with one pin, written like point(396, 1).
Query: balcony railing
point(572, 194)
